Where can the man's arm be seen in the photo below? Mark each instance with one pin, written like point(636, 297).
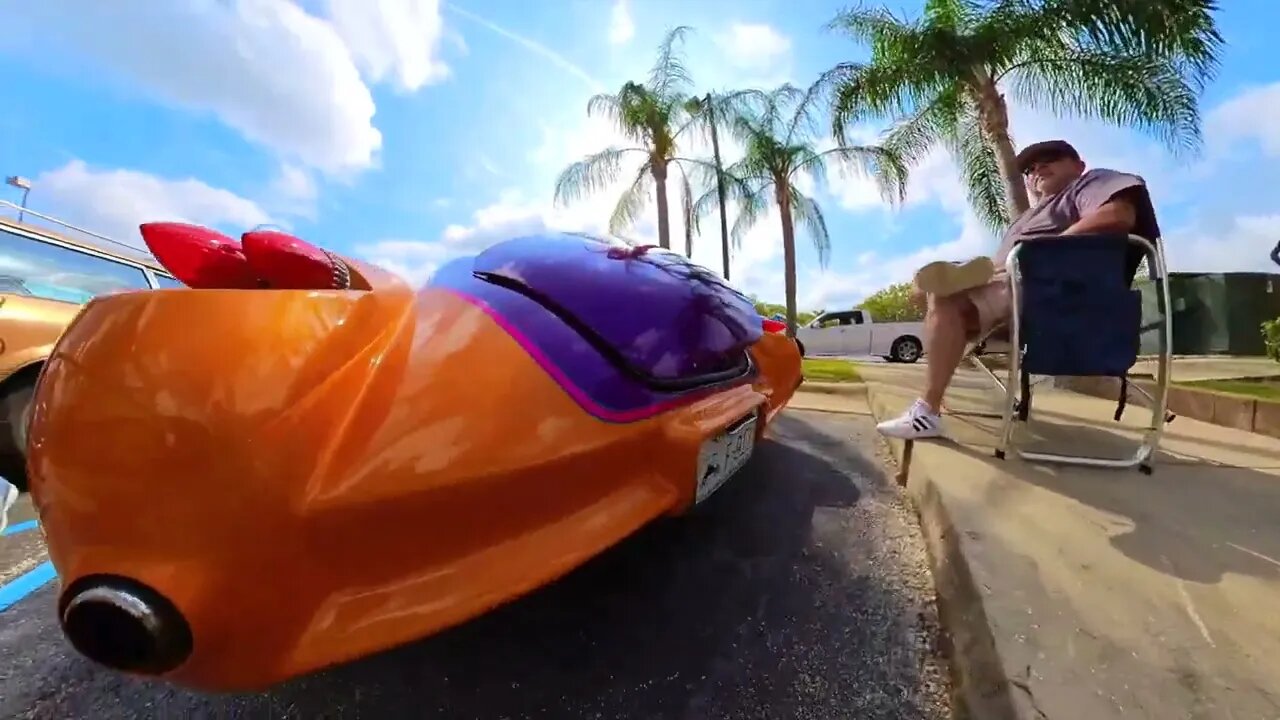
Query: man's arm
point(1112, 202)
point(1114, 216)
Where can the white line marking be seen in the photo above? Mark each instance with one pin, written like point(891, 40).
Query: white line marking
point(1256, 554)
point(1188, 605)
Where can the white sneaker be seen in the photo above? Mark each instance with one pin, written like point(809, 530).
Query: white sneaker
point(10, 492)
point(918, 422)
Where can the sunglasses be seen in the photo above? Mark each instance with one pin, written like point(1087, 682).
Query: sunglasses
point(1033, 165)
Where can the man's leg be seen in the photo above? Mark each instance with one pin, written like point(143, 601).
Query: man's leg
point(949, 324)
point(947, 328)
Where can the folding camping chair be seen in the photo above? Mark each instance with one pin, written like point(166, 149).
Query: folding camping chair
point(1076, 313)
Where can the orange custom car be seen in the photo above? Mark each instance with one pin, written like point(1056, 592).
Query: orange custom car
point(300, 460)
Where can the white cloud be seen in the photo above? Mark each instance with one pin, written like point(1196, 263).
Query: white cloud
point(621, 27)
point(282, 77)
point(1253, 115)
point(277, 75)
point(393, 38)
point(293, 192)
point(115, 202)
point(754, 46)
point(1242, 246)
point(511, 216)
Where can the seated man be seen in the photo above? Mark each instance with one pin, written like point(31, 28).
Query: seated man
point(968, 300)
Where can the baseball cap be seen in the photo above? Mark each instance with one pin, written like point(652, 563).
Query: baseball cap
point(1046, 150)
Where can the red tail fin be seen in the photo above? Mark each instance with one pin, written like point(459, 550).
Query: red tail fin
point(288, 262)
point(198, 256)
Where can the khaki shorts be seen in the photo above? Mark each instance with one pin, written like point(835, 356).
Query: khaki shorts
point(993, 302)
point(990, 305)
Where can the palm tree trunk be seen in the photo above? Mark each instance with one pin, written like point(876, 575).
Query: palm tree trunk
point(720, 192)
point(664, 222)
point(788, 253)
point(995, 124)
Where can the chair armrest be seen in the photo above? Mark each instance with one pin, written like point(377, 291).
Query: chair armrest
point(1127, 251)
point(1064, 242)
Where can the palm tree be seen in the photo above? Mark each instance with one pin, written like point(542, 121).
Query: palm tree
point(1137, 63)
point(648, 114)
point(777, 133)
point(710, 113)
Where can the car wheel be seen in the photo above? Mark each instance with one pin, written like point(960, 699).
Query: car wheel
point(15, 413)
point(906, 350)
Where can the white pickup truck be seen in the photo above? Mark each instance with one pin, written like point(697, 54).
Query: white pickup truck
point(855, 332)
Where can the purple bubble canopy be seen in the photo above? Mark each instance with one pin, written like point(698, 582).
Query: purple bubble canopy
point(628, 331)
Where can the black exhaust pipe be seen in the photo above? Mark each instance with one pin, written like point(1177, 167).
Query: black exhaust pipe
point(125, 625)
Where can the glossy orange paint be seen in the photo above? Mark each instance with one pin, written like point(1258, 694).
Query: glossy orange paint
point(313, 476)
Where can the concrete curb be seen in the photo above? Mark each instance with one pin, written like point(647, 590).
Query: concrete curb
point(982, 687)
point(852, 402)
point(834, 388)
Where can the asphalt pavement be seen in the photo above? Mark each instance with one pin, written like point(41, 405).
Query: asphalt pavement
point(800, 590)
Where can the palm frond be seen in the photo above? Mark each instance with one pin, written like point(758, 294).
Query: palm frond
point(736, 190)
point(669, 75)
point(738, 102)
point(879, 163)
point(719, 109)
point(590, 174)
point(871, 26)
point(701, 172)
point(1139, 91)
point(628, 110)
point(954, 15)
point(607, 105)
point(804, 116)
point(632, 202)
point(1183, 32)
point(751, 208)
point(745, 127)
point(686, 209)
point(913, 137)
point(881, 88)
point(807, 214)
point(778, 109)
point(980, 172)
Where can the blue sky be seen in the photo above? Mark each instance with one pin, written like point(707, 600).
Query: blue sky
point(410, 131)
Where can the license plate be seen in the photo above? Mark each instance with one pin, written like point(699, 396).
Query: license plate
point(725, 454)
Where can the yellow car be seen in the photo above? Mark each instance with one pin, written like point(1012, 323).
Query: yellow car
point(45, 279)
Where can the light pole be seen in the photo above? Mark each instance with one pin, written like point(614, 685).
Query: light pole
point(22, 184)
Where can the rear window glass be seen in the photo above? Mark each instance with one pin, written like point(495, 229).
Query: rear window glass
point(165, 282)
point(45, 270)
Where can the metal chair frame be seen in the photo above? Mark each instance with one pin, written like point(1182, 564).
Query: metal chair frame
point(1016, 386)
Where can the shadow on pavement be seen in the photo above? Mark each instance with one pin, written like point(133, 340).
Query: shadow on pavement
point(1195, 518)
point(1195, 521)
point(736, 611)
